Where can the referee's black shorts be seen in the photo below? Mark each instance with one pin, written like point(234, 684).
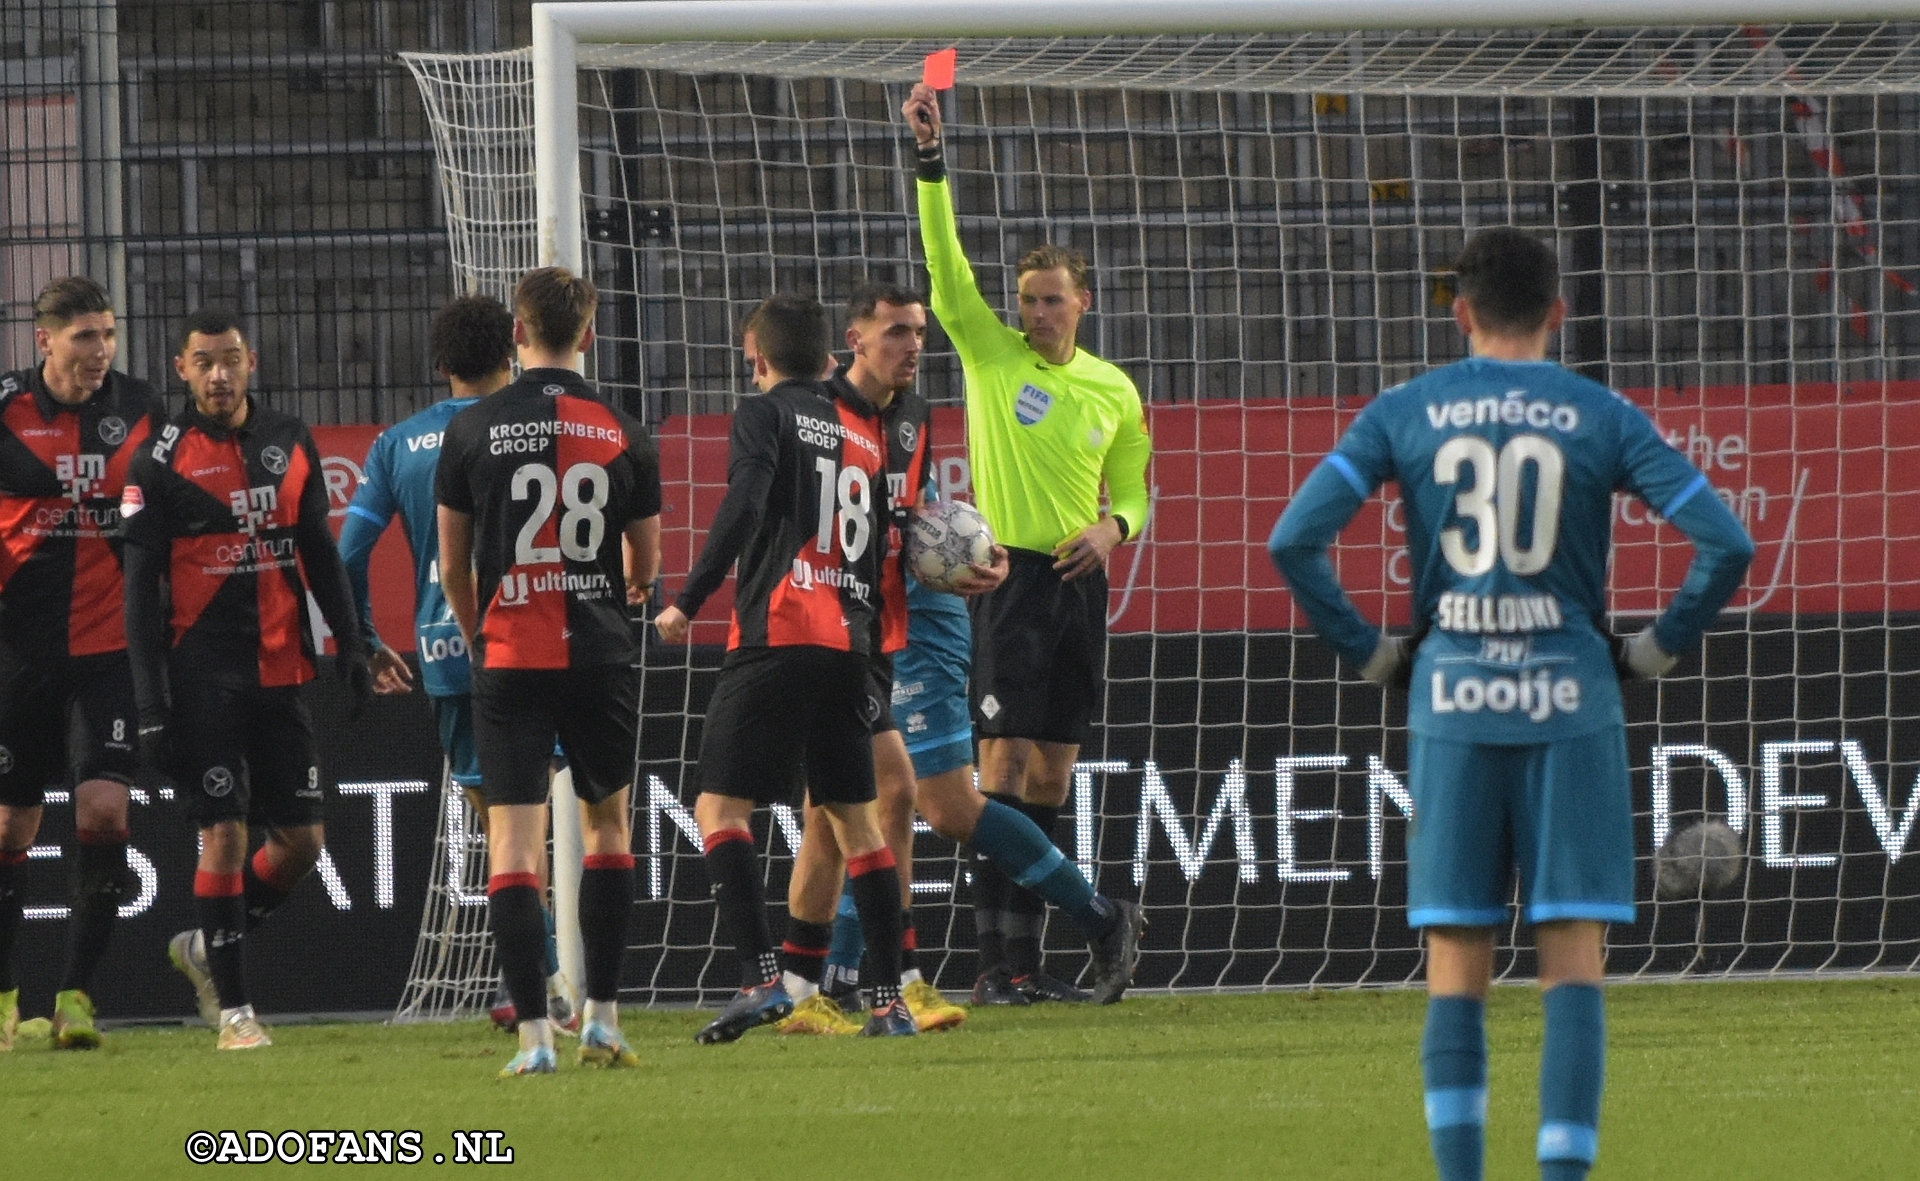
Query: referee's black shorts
point(777, 712)
point(1039, 652)
point(518, 711)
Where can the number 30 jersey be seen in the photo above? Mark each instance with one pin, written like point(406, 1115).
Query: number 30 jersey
point(806, 517)
point(552, 476)
point(1507, 471)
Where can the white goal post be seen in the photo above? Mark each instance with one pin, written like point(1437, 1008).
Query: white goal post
point(1270, 196)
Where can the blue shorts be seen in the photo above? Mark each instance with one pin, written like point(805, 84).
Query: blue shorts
point(930, 708)
point(455, 717)
point(1557, 812)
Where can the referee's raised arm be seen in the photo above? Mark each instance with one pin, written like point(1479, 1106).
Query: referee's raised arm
point(973, 326)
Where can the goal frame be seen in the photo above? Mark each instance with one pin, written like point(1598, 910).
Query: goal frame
point(559, 29)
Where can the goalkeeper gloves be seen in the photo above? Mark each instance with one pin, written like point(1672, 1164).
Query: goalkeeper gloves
point(1639, 658)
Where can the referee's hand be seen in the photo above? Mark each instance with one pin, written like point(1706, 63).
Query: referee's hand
point(922, 110)
point(1087, 550)
point(673, 625)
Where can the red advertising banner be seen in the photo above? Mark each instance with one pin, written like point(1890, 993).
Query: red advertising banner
point(1827, 479)
point(343, 449)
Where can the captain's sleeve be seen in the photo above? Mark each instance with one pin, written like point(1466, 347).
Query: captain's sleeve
point(973, 327)
point(1125, 469)
point(1722, 550)
point(1328, 499)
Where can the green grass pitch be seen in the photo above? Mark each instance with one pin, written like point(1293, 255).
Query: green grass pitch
point(1722, 1080)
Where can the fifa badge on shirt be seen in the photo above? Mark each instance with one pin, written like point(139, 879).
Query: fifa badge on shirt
point(1031, 404)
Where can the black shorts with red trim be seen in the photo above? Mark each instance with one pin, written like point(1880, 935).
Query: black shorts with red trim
point(63, 720)
point(880, 685)
point(595, 710)
point(781, 718)
point(1039, 652)
point(242, 752)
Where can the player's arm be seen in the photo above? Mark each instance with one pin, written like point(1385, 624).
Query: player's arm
point(453, 518)
point(327, 578)
point(367, 517)
point(640, 551)
point(956, 298)
point(1722, 550)
point(753, 454)
point(145, 546)
point(1124, 471)
point(456, 570)
point(1332, 493)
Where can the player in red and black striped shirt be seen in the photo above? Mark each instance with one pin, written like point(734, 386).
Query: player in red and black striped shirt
point(225, 524)
point(549, 512)
point(68, 429)
point(805, 517)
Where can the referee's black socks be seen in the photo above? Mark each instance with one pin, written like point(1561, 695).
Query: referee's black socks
point(1026, 921)
point(1025, 854)
point(733, 868)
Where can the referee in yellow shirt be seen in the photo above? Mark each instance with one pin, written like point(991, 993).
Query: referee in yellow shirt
point(1048, 423)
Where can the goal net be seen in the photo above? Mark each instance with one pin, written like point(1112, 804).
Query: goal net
point(1270, 219)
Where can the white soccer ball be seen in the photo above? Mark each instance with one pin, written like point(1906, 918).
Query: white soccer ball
point(1698, 861)
point(943, 539)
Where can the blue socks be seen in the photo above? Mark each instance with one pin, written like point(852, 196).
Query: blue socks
point(1572, 1073)
point(1021, 851)
point(1453, 1064)
point(1453, 1067)
point(553, 947)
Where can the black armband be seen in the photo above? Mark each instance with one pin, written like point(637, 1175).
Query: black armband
point(932, 161)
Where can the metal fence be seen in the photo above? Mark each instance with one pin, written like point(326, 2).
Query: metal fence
point(270, 158)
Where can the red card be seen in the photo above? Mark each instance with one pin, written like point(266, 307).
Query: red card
point(938, 70)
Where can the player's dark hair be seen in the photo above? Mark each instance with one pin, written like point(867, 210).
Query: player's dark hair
point(1510, 278)
point(210, 322)
point(66, 299)
point(867, 298)
point(791, 333)
point(472, 337)
point(555, 304)
point(1048, 257)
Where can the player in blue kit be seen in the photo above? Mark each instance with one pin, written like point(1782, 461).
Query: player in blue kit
point(471, 341)
point(936, 727)
point(1507, 465)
